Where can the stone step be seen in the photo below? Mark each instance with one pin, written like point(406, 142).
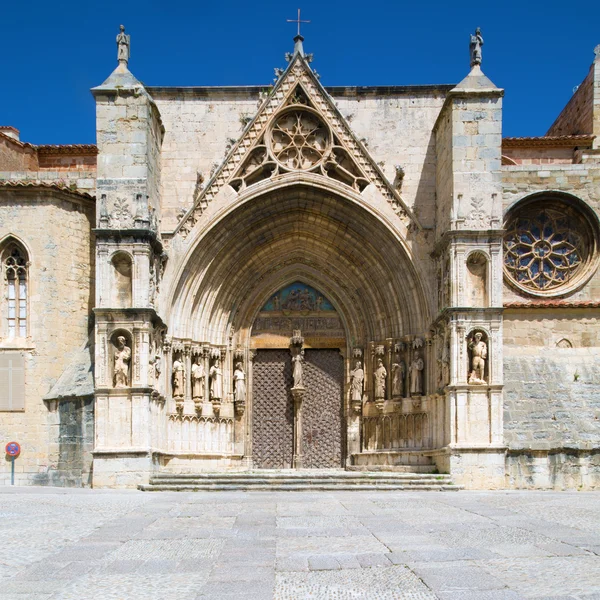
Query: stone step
point(294, 474)
point(298, 480)
point(308, 482)
point(314, 487)
point(394, 468)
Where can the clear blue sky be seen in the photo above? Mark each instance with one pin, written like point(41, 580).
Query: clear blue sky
point(53, 53)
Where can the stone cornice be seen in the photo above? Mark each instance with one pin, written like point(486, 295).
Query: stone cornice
point(338, 90)
point(465, 235)
point(138, 235)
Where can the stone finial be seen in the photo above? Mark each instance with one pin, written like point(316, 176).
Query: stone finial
point(123, 46)
point(475, 47)
point(597, 52)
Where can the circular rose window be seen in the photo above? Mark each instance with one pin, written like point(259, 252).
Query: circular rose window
point(548, 247)
point(299, 140)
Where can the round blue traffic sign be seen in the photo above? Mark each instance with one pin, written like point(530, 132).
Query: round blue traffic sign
point(13, 449)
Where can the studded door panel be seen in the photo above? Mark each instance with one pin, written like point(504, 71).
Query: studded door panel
point(272, 410)
point(322, 431)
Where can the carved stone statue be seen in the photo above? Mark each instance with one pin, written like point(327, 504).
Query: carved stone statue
point(178, 378)
point(380, 376)
point(239, 378)
point(478, 350)
point(121, 364)
point(216, 381)
point(446, 360)
point(398, 373)
point(157, 366)
point(123, 46)
point(416, 375)
point(297, 361)
point(357, 376)
point(475, 47)
point(198, 375)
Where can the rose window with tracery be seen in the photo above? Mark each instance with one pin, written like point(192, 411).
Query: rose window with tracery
point(547, 247)
point(299, 139)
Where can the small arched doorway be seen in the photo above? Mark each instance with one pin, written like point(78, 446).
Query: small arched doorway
point(298, 423)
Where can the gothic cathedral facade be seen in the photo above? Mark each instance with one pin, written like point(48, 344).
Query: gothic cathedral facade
point(303, 277)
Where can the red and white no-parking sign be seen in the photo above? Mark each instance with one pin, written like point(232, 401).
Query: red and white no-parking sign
point(13, 449)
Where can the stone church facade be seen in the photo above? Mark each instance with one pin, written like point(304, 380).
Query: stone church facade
point(299, 276)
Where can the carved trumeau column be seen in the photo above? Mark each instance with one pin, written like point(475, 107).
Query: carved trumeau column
point(298, 391)
point(298, 395)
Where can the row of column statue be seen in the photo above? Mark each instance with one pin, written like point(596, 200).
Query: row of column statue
point(414, 382)
point(199, 389)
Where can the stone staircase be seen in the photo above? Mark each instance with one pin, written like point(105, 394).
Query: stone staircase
point(298, 480)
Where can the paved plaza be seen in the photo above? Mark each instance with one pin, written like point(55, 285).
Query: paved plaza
point(105, 544)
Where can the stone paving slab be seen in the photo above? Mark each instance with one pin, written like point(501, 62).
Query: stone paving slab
point(104, 544)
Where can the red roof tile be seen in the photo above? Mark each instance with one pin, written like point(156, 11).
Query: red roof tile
point(556, 303)
point(36, 183)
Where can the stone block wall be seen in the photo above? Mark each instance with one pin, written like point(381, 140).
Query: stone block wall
point(397, 129)
point(476, 152)
point(580, 180)
point(201, 124)
point(73, 428)
point(577, 116)
point(55, 227)
point(444, 175)
point(552, 417)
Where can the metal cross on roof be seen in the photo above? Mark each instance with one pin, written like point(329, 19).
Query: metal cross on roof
point(298, 21)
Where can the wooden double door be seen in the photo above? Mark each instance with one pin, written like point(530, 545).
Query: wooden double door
point(321, 431)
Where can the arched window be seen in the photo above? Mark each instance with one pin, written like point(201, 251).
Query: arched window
point(14, 267)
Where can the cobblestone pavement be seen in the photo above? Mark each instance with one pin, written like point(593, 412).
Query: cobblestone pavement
point(106, 544)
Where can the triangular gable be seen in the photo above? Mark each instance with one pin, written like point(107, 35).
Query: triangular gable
point(261, 152)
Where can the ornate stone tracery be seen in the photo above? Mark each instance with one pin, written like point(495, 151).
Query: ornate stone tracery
point(547, 246)
point(15, 265)
point(299, 139)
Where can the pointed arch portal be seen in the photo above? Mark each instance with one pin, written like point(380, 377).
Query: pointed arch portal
point(298, 258)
